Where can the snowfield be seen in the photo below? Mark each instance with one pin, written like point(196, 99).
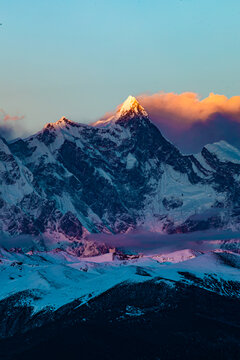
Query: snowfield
point(55, 278)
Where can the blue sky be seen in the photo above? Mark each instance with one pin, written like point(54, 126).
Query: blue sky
point(82, 58)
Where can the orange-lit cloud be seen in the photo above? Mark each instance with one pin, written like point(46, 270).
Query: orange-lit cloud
point(187, 108)
point(190, 122)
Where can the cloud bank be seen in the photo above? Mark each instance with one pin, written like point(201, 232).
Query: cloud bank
point(191, 123)
point(151, 242)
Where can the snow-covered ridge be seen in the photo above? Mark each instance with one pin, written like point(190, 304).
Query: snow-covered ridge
point(57, 278)
point(224, 151)
point(61, 123)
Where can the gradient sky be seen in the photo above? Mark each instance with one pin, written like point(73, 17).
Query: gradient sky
point(82, 58)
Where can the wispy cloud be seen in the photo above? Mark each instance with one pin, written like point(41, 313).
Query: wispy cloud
point(9, 124)
point(152, 242)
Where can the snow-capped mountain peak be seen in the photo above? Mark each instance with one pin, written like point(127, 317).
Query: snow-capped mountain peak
point(63, 119)
point(132, 108)
point(61, 123)
point(129, 109)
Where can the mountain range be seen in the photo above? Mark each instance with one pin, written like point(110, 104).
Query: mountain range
point(63, 294)
point(114, 176)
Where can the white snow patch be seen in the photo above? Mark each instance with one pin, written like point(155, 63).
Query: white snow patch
point(131, 161)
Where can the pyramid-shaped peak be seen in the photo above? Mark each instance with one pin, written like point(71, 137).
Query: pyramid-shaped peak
point(132, 106)
point(129, 103)
point(128, 110)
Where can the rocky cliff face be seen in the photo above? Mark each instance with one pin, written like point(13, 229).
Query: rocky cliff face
point(113, 176)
